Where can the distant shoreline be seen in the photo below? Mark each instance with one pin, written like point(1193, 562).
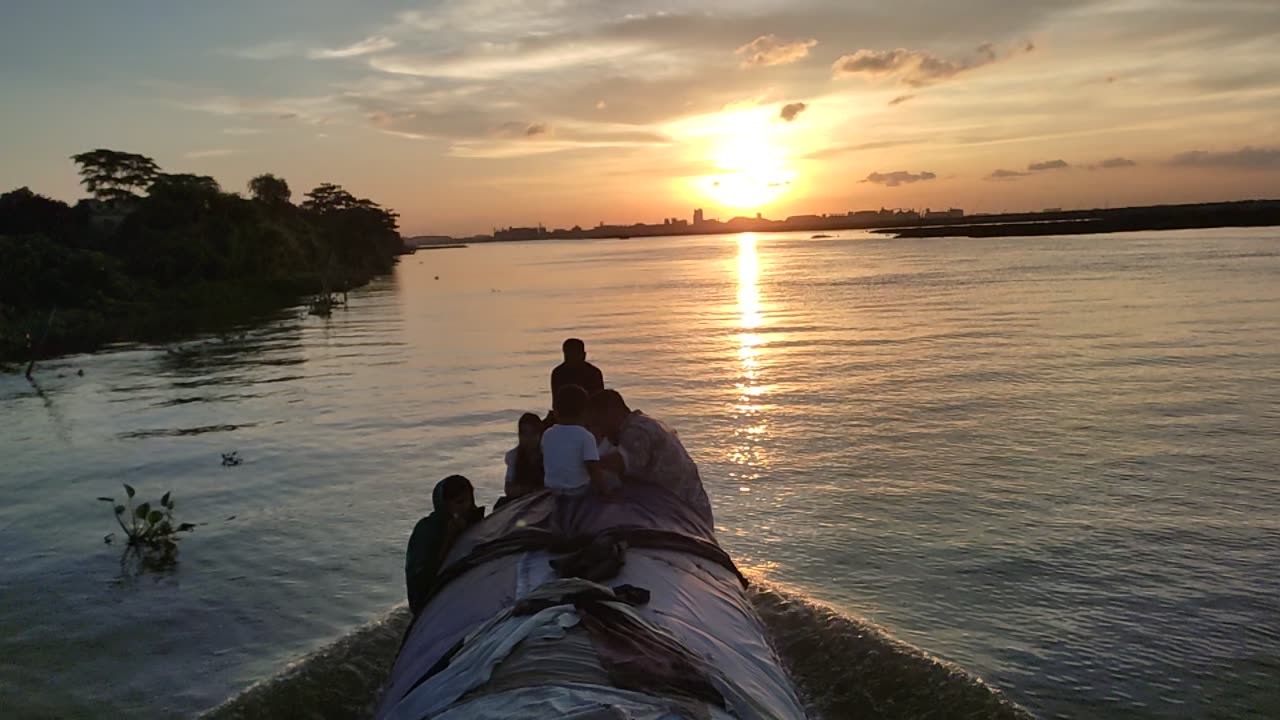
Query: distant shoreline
point(1243, 213)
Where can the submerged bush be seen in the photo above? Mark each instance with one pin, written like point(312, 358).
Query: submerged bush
point(147, 526)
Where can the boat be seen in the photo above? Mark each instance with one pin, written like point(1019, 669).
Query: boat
point(618, 607)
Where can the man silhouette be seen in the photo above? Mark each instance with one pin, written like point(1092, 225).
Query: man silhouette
point(575, 370)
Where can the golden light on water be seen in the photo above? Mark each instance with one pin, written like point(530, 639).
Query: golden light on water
point(748, 406)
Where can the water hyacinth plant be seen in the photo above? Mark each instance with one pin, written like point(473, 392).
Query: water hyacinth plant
point(145, 525)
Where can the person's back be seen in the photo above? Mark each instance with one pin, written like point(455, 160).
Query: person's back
point(570, 458)
point(575, 370)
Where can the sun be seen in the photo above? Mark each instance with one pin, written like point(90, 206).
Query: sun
point(750, 160)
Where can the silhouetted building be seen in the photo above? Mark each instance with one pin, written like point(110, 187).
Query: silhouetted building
point(697, 217)
point(522, 233)
point(948, 213)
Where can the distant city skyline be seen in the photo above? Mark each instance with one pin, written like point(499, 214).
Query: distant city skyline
point(469, 115)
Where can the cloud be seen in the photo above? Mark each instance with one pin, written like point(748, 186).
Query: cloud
point(521, 130)
point(1048, 165)
point(915, 68)
point(899, 177)
point(242, 131)
point(1003, 174)
point(843, 149)
point(367, 46)
point(271, 50)
point(1246, 158)
point(767, 50)
point(901, 99)
point(215, 152)
point(497, 61)
point(315, 110)
point(1116, 162)
point(791, 111)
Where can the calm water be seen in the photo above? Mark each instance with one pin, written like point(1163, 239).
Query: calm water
point(1052, 461)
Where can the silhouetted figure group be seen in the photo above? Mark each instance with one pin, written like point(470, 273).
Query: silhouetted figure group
point(590, 444)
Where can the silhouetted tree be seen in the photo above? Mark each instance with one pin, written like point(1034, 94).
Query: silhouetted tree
point(269, 189)
point(184, 182)
point(23, 212)
point(184, 247)
point(112, 176)
point(328, 198)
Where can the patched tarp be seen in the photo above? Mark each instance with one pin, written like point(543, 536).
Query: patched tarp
point(695, 596)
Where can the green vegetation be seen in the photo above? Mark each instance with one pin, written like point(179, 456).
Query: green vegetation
point(147, 527)
point(155, 255)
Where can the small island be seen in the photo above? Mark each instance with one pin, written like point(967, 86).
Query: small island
point(153, 255)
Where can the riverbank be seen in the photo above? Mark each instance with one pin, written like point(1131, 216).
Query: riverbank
point(182, 257)
point(171, 314)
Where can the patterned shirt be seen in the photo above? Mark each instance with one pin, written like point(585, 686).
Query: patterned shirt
point(652, 453)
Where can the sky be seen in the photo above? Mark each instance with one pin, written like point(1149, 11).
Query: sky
point(469, 115)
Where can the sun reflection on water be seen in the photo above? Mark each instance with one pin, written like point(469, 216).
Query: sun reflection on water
point(746, 451)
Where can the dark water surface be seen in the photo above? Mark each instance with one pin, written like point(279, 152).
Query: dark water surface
point(1054, 462)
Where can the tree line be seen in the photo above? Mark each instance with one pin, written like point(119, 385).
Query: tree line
point(153, 253)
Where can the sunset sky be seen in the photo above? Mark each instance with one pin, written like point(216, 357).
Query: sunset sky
point(468, 115)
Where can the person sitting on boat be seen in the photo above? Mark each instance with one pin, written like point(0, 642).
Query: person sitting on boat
point(454, 510)
point(646, 450)
point(575, 370)
point(525, 472)
point(570, 458)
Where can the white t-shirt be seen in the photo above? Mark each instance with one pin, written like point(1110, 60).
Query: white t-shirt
point(565, 452)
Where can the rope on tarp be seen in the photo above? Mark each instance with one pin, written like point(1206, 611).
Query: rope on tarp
point(533, 538)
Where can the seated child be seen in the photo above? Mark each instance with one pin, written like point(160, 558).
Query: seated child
point(524, 462)
point(570, 460)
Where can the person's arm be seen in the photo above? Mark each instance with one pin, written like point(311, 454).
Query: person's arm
point(613, 462)
point(635, 450)
point(509, 481)
point(598, 479)
point(591, 458)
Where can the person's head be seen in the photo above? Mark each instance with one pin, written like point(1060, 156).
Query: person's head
point(454, 496)
point(607, 412)
point(530, 428)
point(575, 351)
point(570, 404)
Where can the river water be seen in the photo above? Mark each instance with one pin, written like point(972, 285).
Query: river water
point(1052, 461)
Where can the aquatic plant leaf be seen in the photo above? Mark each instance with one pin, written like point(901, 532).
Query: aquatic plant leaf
point(119, 509)
point(155, 516)
point(107, 499)
point(186, 527)
point(129, 489)
point(164, 499)
point(142, 510)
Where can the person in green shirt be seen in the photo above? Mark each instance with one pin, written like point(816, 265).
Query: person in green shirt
point(454, 510)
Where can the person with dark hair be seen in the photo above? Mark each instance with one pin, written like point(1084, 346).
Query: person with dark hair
point(575, 370)
point(570, 459)
point(524, 462)
point(646, 450)
point(454, 510)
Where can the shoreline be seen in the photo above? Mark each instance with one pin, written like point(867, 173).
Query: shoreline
point(1090, 226)
point(1240, 213)
point(169, 316)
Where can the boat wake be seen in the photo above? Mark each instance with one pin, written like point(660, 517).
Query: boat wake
point(843, 666)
